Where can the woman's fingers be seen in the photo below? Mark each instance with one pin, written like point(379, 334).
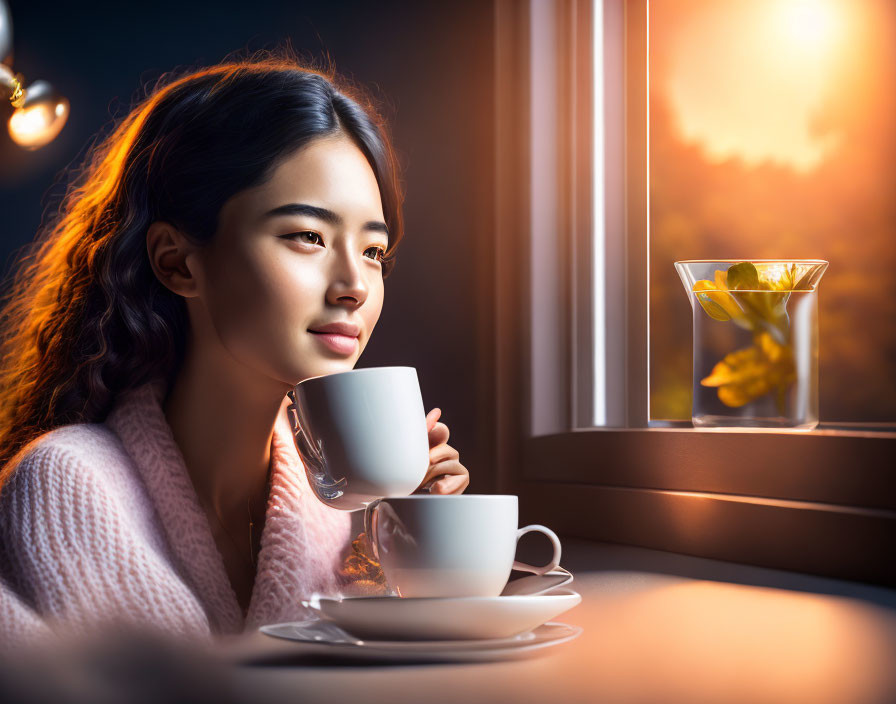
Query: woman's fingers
point(440, 453)
point(448, 473)
point(432, 417)
point(438, 469)
point(438, 432)
point(438, 435)
point(454, 483)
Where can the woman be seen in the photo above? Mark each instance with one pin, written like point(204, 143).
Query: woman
point(149, 471)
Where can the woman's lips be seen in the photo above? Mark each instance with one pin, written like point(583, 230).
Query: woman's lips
point(343, 344)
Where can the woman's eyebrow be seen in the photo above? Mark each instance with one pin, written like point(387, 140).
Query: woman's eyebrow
point(327, 216)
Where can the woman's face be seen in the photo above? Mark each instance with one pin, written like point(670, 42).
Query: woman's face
point(292, 255)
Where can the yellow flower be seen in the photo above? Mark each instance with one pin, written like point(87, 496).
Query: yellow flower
point(755, 301)
point(716, 300)
point(751, 372)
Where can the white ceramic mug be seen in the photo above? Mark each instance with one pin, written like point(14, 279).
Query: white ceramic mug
point(449, 545)
point(361, 434)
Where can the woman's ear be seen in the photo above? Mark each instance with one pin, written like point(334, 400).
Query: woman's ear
point(171, 256)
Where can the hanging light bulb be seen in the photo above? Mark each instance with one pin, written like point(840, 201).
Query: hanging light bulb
point(40, 118)
point(40, 112)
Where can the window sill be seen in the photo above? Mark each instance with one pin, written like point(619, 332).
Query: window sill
point(848, 468)
point(846, 429)
point(821, 502)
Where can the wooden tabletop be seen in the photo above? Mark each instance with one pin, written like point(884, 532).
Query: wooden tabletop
point(658, 627)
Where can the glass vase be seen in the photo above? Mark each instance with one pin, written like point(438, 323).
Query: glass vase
point(755, 327)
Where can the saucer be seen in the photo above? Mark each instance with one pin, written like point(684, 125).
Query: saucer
point(441, 618)
point(337, 640)
point(532, 584)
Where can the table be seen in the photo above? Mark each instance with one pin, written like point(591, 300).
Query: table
point(658, 627)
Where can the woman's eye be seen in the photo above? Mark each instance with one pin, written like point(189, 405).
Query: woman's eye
point(301, 234)
point(379, 253)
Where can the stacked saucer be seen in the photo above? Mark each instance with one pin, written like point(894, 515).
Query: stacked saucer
point(515, 624)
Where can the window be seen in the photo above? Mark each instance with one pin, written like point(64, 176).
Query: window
point(571, 252)
point(772, 134)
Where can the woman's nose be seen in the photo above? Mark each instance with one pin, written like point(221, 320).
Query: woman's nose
point(347, 278)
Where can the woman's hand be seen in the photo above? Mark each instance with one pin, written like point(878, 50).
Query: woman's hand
point(446, 475)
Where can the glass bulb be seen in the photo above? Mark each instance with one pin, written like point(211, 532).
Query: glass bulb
point(41, 117)
point(5, 31)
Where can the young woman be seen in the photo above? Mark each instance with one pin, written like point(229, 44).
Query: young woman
point(233, 217)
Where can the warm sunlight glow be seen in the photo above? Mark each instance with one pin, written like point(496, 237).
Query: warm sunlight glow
point(746, 78)
point(810, 23)
point(773, 136)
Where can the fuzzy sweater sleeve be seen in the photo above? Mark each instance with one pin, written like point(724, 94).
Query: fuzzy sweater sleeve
point(83, 543)
point(20, 627)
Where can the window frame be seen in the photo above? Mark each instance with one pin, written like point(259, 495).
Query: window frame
point(821, 501)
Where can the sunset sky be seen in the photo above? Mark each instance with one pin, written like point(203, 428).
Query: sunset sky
point(745, 77)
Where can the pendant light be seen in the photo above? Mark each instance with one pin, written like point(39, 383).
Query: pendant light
point(41, 112)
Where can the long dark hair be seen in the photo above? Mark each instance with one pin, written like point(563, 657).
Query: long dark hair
point(86, 318)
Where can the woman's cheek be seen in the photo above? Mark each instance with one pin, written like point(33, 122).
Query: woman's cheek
point(253, 313)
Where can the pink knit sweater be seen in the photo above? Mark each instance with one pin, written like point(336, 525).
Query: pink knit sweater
point(100, 523)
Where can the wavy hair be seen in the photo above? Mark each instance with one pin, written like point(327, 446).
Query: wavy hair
point(86, 318)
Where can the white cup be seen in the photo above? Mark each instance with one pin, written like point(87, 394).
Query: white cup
point(449, 545)
point(361, 434)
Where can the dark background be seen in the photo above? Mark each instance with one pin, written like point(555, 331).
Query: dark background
point(430, 65)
